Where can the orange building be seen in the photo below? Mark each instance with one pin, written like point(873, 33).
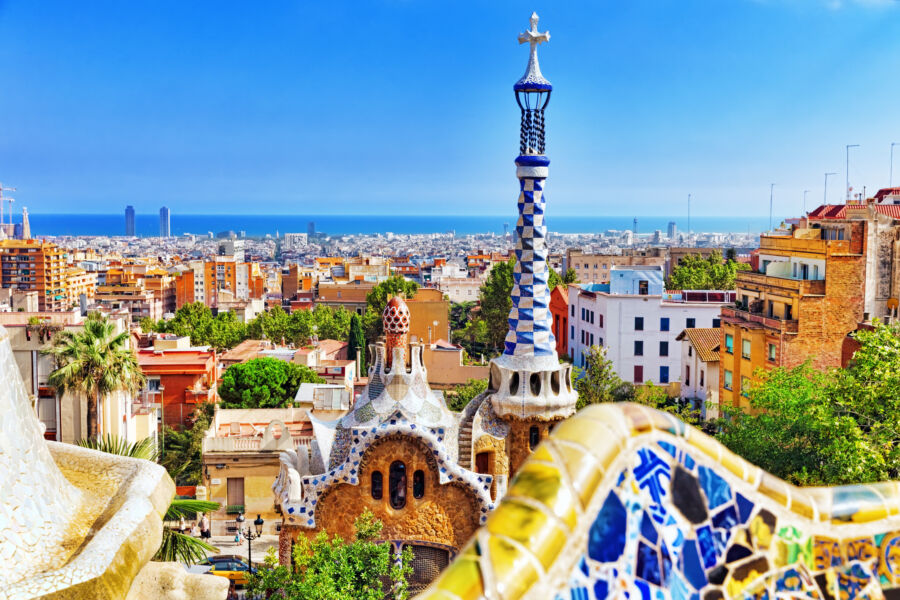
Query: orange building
point(429, 316)
point(559, 308)
point(35, 265)
point(806, 297)
point(78, 282)
point(184, 376)
point(204, 281)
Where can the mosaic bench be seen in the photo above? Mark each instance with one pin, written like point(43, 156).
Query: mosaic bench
point(623, 501)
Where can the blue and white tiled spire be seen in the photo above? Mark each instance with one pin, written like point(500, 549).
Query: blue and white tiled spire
point(530, 336)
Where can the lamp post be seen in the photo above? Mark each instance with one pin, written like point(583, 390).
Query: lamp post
point(251, 534)
point(825, 197)
point(847, 172)
point(891, 178)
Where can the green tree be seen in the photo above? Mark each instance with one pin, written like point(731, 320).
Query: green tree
point(272, 325)
point(570, 276)
point(377, 299)
point(196, 321)
point(697, 273)
point(264, 383)
point(461, 395)
point(182, 449)
point(94, 362)
point(175, 546)
point(496, 302)
point(598, 381)
point(356, 341)
point(332, 569)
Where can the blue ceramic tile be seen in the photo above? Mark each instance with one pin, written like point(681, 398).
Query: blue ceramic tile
point(670, 448)
point(648, 564)
point(606, 539)
point(678, 589)
point(647, 529)
point(601, 590)
point(644, 589)
point(725, 519)
point(745, 508)
point(716, 489)
point(691, 566)
point(579, 593)
point(707, 546)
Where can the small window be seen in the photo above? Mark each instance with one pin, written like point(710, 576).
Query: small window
point(592, 339)
point(690, 350)
point(639, 348)
point(729, 343)
point(702, 373)
point(717, 323)
point(664, 348)
point(691, 323)
point(573, 310)
point(639, 323)
point(687, 376)
point(534, 437)
point(664, 324)
point(601, 320)
point(771, 353)
point(664, 374)
point(397, 484)
point(418, 484)
point(643, 287)
point(745, 349)
point(728, 377)
point(572, 330)
point(377, 485)
point(638, 374)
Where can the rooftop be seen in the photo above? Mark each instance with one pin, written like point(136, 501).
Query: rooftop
point(705, 339)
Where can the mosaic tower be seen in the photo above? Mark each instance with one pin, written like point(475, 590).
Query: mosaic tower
point(527, 379)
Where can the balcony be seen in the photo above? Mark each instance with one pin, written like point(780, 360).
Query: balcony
point(773, 323)
point(784, 285)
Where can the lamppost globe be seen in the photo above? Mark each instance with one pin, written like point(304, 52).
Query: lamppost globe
point(258, 523)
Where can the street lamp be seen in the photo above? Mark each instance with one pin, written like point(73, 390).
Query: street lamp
point(847, 188)
point(825, 198)
point(250, 534)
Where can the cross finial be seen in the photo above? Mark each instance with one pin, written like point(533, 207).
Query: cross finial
point(533, 36)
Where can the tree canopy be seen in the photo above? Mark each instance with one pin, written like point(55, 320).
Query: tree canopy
point(196, 320)
point(496, 302)
point(461, 395)
point(332, 569)
point(356, 341)
point(264, 383)
point(837, 427)
point(711, 273)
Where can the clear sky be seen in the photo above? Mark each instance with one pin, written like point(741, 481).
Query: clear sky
point(406, 106)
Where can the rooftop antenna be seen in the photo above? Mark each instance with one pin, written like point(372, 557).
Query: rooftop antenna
point(825, 199)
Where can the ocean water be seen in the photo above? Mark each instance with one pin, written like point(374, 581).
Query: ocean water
point(260, 225)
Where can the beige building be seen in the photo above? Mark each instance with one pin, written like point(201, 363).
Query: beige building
point(65, 417)
point(460, 289)
point(78, 282)
point(241, 460)
point(596, 268)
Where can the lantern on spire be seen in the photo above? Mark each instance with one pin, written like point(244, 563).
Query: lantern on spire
point(532, 93)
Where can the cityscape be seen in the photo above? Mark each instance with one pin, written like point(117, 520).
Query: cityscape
point(529, 392)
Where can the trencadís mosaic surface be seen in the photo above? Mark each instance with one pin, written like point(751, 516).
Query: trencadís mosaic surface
point(626, 502)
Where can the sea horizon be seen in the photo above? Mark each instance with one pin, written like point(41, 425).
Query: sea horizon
point(147, 225)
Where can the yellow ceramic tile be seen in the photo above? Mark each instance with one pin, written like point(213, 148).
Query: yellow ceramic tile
point(531, 527)
point(543, 483)
point(583, 469)
point(513, 571)
point(461, 580)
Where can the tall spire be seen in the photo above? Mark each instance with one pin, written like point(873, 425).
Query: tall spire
point(530, 337)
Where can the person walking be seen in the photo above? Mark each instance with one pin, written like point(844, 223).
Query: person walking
point(204, 527)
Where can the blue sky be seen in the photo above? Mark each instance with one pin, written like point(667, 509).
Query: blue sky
point(406, 106)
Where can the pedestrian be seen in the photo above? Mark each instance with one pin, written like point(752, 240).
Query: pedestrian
point(182, 526)
point(204, 527)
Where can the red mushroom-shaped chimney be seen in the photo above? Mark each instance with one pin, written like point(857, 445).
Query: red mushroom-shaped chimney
point(396, 328)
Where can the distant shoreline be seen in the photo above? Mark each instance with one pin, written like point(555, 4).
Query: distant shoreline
point(147, 225)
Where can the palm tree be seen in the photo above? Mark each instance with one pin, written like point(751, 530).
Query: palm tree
point(175, 546)
point(96, 362)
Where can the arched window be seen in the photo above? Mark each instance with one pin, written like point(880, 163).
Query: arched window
point(418, 484)
point(534, 437)
point(377, 485)
point(397, 484)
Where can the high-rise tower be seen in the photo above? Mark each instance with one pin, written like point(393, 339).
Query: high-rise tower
point(165, 224)
point(129, 221)
point(528, 381)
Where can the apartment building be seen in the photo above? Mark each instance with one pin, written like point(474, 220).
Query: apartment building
point(700, 368)
point(638, 322)
point(807, 295)
point(123, 290)
point(35, 265)
point(204, 281)
point(597, 268)
point(78, 282)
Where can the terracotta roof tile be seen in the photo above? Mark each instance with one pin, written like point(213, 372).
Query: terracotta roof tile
point(705, 340)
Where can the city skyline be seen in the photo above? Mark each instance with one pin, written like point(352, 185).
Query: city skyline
point(261, 112)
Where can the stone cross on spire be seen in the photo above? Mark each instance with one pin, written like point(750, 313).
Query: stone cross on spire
point(535, 38)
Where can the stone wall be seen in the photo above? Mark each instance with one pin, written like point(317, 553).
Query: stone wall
point(446, 514)
point(517, 446)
